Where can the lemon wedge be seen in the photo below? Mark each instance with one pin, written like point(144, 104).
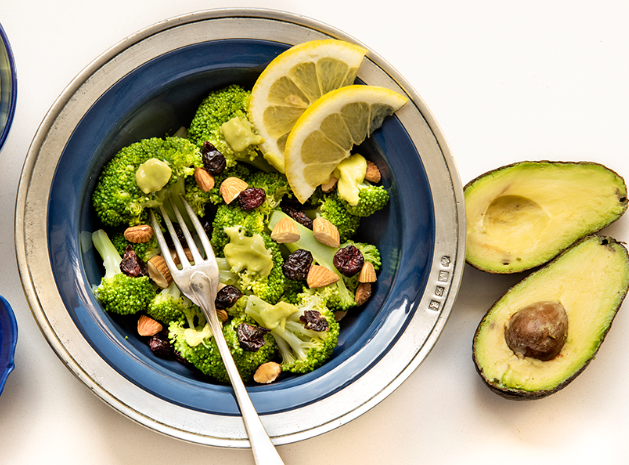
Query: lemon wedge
point(325, 133)
point(294, 80)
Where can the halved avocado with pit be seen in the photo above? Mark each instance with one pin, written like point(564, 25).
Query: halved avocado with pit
point(521, 216)
point(546, 329)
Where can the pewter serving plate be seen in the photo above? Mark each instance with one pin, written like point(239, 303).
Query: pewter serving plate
point(150, 84)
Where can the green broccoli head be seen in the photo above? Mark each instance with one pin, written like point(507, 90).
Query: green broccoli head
point(219, 107)
point(117, 292)
point(168, 305)
point(118, 200)
point(270, 287)
point(199, 347)
point(336, 211)
point(275, 187)
point(229, 216)
point(370, 199)
point(301, 348)
point(370, 252)
point(144, 250)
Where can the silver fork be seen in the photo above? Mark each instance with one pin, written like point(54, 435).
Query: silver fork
point(199, 282)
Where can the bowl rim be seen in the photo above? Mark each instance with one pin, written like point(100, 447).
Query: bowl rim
point(13, 96)
point(444, 277)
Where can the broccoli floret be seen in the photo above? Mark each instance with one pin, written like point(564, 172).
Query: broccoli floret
point(370, 252)
point(275, 187)
point(337, 295)
point(229, 216)
point(117, 292)
point(269, 287)
point(336, 211)
point(168, 305)
point(219, 107)
point(301, 350)
point(118, 200)
point(370, 199)
point(144, 250)
point(198, 346)
point(362, 198)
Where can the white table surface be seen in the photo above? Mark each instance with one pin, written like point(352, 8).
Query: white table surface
point(507, 81)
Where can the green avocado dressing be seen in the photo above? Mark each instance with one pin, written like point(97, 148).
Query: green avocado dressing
point(238, 134)
point(152, 175)
point(350, 173)
point(244, 252)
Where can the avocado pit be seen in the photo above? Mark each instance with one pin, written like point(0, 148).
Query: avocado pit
point(538, 330)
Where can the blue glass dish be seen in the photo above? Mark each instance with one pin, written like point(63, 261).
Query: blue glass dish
point(159, 97)
point(8, 86)
point(8, 341)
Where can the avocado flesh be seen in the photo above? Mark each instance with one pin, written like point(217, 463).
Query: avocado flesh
point(523, 215)
point(590, 280)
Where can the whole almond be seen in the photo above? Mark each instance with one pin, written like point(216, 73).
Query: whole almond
point(320, 276)
point(373, 173)
point(204, 180)
point(329, 185)
point(285, 231)
point(158, 271)
point(325, 232)
point(363, 292)
point(138, 234)
point(222, 315)
point(367, 273)
point(231, 188)
point(267, 372)
point(147, 326)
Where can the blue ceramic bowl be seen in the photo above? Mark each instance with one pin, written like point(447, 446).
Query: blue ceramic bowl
point(151, 85)
point(8, 341)
point(8, 86)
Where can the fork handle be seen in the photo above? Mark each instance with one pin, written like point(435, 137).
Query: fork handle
point(264, 452)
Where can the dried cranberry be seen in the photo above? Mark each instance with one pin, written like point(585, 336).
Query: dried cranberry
point(132, 265)
point(160, 345)
point(297, 265)
point(292, 208)
point(180, 236)
point(348, 260)
point(213, 161)
point(313, 320)
point(251, 338)
point(251, 197)
point(227, 297)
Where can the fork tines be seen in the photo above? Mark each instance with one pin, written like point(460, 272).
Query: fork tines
point(184, 227)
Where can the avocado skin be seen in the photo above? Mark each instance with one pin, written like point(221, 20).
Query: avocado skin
point(518, 394)
point(594, 230)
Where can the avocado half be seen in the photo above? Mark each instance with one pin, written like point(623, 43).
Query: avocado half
point(522, 215)
point(590, 281)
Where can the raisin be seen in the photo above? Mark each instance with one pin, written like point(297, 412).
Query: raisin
point(160, 345)
point(132, 265)
point(297, 265)
point(213, 161)
point(251, 337)
point(292, 208)
point(348, 260)
point(251, 197)
point(313, 320)
point(227, 297)
point(180, 236)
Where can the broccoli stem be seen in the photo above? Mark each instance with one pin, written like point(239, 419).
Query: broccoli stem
point(107, 251)
point(322, 254)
